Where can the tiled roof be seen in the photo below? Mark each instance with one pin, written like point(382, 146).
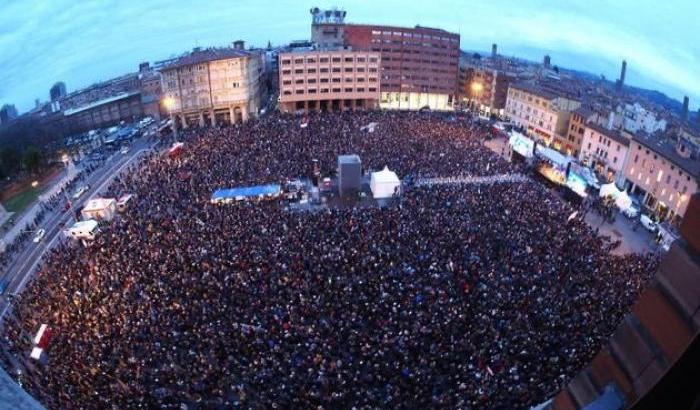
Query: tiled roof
point(668, 150)
point(534, 89)
point(209, 54)
point(614, 135)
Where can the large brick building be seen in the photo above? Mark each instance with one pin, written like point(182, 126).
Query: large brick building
point(419, 65)
point(328, 80)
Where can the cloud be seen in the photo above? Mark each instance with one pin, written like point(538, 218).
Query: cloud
point(81, 42)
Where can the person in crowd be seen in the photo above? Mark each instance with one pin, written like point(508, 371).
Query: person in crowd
point(453, 296)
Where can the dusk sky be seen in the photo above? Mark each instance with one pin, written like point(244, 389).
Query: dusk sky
point(82, 42)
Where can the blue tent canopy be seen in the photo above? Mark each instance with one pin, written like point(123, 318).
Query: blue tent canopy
point(241, 193)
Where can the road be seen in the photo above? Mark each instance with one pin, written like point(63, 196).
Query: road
point(20, 271)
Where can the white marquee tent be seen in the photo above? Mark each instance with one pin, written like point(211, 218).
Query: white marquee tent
point(609, 190)
point(384, 183)
point(623, 201)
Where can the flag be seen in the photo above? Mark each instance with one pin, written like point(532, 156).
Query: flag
point(572, 216)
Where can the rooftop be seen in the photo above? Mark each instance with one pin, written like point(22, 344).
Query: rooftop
point(667, 150)
point(534, 89)
point(120, 96)
point(204, 55)
point(614, 135)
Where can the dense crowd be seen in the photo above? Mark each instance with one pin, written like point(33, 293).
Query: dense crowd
point(453, 296)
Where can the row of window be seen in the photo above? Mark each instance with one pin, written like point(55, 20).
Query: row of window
point(312, 60)
point(405, 51)
point(331, 80)
point(415, 35)
point(409, 43)
point(324, 70)
point(328, 90)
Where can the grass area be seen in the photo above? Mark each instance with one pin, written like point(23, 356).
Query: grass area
point(21, 200)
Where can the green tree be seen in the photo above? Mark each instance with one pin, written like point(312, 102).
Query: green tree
point(32, 159)
point(9, 160)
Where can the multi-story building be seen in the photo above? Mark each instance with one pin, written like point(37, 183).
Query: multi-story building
point(419, 66)
point(606, 151)
point(542, 113)
point(151, 91)
point(58, 91)
point(663, 174)
point(485, 87)
point(328, 80)
point(636, 118)
point(125, 106)
point(8, 112)
point(213, 85)
point(577, 127)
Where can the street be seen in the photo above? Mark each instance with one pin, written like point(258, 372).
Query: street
point(19, 272)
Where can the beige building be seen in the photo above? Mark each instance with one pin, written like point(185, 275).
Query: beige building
point(606, 151)
point(328, 80)
point(662, 174)
point(542, 113)
point(213, 86)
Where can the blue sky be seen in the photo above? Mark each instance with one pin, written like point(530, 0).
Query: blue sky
point(81, 42)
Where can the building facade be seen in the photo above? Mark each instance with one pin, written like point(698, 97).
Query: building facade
point(662, 174)
point(212, 86)
point(485, 88)
point(419, 65)
point(58, 91)
point(543, 114)
point(328, 80)
point(104, 113)
point(151, 91)
point(605, 151)
point(8, 112)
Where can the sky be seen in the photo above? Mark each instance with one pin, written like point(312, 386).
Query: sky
point(86, 41)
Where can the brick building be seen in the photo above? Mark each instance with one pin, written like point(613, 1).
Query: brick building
point(419, 65)
point(328, 80)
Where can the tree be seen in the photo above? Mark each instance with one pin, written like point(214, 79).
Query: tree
point(476, 56)
point(31, 159)
point(9, 161)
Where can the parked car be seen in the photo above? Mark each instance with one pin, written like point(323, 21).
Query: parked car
point(39, 235)
point(83, 189)
point(125, 149)
point(631, 212)
point(648, 223)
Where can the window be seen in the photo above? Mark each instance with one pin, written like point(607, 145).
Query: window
point(286, 72)
point(336, 69)
point(360, 89)
point(373, 59)
point(336, 80)
point(323, 59)
point(324, 80)
point(300, 91)
point(324, 69)
point(311, 71)
point(336, 90)
point(299, 71)
point(348, 89)
point(324, 90)
point(299, 81)
point(287, 92)
point(348, 59)
point(336, 59)
point(372, 89)
point(311, 60)
point(312, 91)
point(298, 61)
point(311, 81)
point(287, 82)
point(636, 157)
point(348, 69)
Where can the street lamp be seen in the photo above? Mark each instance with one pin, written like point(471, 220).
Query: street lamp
point(169, 103)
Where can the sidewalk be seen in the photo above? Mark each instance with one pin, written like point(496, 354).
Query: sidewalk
point(639, 241)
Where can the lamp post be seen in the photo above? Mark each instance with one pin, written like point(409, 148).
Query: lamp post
point(477, 88)
point(169, 103)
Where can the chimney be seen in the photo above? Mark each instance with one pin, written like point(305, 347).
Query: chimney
point(611, 120)
point(144, 67)
point(547, 61)
point(494, 50)
point(239, 45)
point(684, 112)
point(623, 72)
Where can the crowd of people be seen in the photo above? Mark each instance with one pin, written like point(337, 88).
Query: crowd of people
point(453, 296)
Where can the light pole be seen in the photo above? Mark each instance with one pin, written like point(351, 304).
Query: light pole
point(477, 88)
point(169, 103)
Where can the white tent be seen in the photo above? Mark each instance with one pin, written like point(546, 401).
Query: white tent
point(384, 183)
point(623, 201)
point(609, 190)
